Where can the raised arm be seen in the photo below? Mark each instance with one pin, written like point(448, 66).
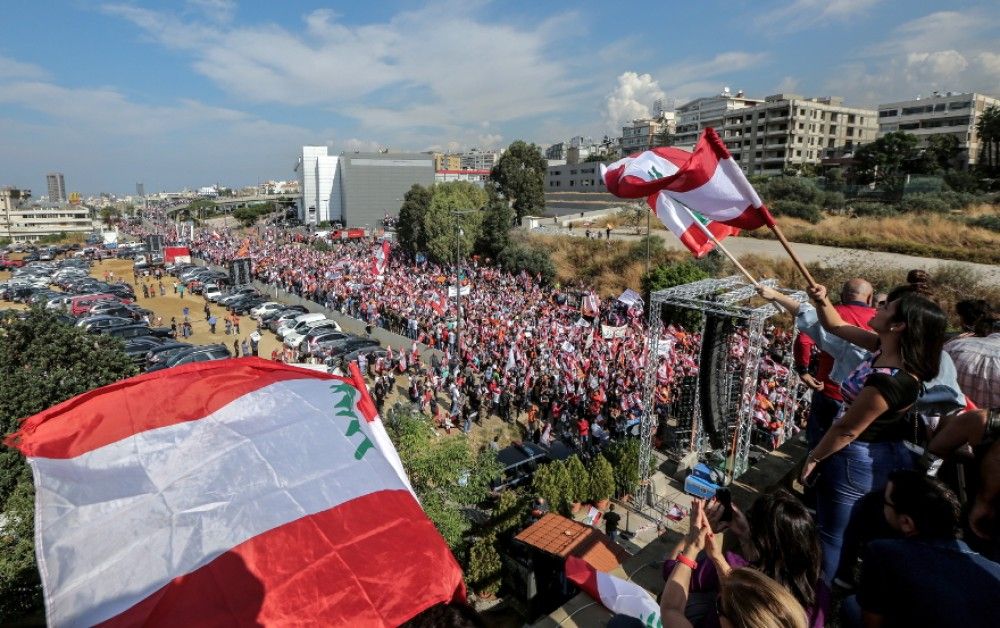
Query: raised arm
point(836, 325)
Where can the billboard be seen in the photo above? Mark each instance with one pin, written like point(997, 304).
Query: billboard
point(239, 271)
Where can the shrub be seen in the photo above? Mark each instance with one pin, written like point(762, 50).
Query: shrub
point(833, 200)
point(987, 222)
point(798, 209)
point(533, 261)
point(602, 479)
point(484, 566)
point(924, 203)
point(552, 483)
point(964, 181)
point(792, 189)
point(624, 455)
point(669, 275)
point(579, 486)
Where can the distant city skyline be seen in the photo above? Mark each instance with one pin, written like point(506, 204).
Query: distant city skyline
point(217, 90)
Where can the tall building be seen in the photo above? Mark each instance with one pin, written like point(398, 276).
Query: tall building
point(57, 187)
point(945, 113)
point(357, 189)
point(140, 190)
point(787, 131)
point(642, 134)
point(319, 182)
point(693, 117)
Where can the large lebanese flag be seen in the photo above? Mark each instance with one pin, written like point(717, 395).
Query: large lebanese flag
point(225, 492)
point(619, 596)
point(684, 224)
point(708, 181)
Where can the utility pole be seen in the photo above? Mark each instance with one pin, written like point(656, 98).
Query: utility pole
point(647, 242)
point(457, 213)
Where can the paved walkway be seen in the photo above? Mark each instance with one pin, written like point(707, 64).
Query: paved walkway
point(810, 253)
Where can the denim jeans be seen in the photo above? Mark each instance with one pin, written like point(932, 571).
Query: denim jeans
point(844, 478)
point(821, 415)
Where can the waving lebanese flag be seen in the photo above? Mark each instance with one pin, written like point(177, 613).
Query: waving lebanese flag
point(685, 224)
point(708, 181)
point(380, 258)
point(229, 492)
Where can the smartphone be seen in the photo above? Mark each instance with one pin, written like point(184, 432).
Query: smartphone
point(724, 497)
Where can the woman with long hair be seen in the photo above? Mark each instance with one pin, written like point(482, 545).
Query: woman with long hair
point(865, 443)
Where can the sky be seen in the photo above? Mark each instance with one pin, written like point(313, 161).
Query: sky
point(191, 93)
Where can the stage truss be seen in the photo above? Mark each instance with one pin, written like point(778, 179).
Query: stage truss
point(728, 298)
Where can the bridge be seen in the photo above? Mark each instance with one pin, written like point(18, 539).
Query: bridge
point(229, 203)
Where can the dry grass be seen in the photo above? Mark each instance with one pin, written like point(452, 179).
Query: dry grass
point(928, 235)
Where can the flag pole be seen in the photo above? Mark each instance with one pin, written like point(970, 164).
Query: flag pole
point(791, 253)
point(724, 250)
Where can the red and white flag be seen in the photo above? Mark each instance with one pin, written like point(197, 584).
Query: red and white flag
point(229, 492)
point(380, 258)
point(683, 223)
point(708, 181)
point(616, 594)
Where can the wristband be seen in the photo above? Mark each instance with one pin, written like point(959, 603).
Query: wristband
point(689, 562)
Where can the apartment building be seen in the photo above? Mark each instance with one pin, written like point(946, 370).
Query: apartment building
point(57, 187)
point(642, 134)
point(22, 222)
point(693, 117)
point(946, 113)
point(475, 159)
point(447, 161)
point(787, 131)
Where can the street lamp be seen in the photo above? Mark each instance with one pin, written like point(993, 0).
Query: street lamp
point(458, 283)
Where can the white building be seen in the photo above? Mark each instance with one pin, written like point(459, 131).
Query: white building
point(320, 186)
point(693, 117)
point(479, 177)
point(475, 159)
point(945, 113)
point(22, 222)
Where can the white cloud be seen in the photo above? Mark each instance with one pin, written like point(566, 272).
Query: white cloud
point(632, 98)
point(438, 68)
point(13, 69)
point(934, 68)
point(723, 63)
point(788, 84)
point(803, 14)
point(215, 10)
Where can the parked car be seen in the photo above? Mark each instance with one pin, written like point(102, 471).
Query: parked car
point(166, 351)
point(288, 310)
point(244, 305)
point(133, 331)
point(92, 324)
point(201, 353)
point(265, 307)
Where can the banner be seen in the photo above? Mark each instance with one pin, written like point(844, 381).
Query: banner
point(608, 331)
point(464, 291)
point(630, 297)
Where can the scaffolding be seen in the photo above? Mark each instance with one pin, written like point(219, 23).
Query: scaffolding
point(728, 299)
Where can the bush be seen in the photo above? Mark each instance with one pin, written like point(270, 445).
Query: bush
point(987, 222)
point(624, 457)
point(798, 209)
point(792, 189)
point(833, 200)
point(484, 566)
point(516, 258)
point(924, 203)
point(579, 480)
point(874, 210)
point(602, 479)
point(669, 275)
point(964, 181)
point(552, 483)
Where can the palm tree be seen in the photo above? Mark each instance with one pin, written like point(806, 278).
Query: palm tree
point(988, 128)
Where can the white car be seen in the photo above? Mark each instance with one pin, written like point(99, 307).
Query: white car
point(58, 303)
point(293, 339)
point(295, 323)
point(212, 292)
point(264, 308)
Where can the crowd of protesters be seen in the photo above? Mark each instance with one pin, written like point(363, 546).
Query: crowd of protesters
point(573, 363)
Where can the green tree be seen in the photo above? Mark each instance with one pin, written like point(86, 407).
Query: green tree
point(450, 236)
point(534, 261)
point(109, 215)
point(674, 274)
point(42, 363)
point(446, 474)
point(624, 458)
point(494, 236)
point(519, 176)
point(245, 215)
point(579, 486)
point(943, 151)
point(602, 479)
point(886, 160)
point(552, 483)
point(665, 137)
point(509, 513)
point(634, 215)
point(410, 228)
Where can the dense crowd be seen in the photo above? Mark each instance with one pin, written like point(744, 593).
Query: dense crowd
point(573, 362)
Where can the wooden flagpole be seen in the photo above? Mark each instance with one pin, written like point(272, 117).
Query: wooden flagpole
point(724, 250)
point(791, 253)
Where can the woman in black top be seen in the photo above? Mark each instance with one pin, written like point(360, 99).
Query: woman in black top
point(865, 443)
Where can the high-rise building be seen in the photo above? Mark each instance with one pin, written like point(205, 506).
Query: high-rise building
point(642, 134)
point(475, 159)
point(140, 190)
point(320, 185)
point(57, 187)
point(947, 113)
point(787, 131)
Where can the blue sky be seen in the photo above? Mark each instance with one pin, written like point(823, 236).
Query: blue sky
point(190, 93)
